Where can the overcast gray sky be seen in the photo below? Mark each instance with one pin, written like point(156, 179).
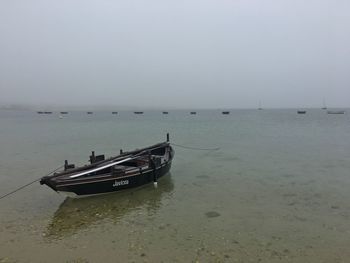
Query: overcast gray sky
point(179, 53)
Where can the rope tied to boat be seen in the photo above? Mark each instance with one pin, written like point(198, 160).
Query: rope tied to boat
point(28, 184)
point(195, 148)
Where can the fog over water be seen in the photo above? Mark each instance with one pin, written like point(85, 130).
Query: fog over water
point(176, 54)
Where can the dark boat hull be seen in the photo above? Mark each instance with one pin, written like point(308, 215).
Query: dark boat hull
point(113, 184)
point(127, 170)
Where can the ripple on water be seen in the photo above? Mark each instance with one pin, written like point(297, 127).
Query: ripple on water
point(212, 214)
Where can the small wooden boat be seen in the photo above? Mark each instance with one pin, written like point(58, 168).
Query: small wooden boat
point(336, 112)
point(301, 111)
point(64, 112)
point(165, 112)
point(89, 112)
point(225, 112)
point(127, 170)
point(138, 112)
point(47, 112)
point(114, 112)
point(40, 112)
point(193, 113)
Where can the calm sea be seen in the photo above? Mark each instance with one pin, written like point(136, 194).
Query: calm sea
point(277, 190)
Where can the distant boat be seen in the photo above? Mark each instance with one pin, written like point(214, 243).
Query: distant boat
point(165, 112)
point(225, 112)
point(336, 112)
point(260, 108)
point(324, 107)
point(89, 112)
point(44, 112)
point(301, 111)
point(138, 112)
point(193, 112)
point(64, 112)
point(114, 112)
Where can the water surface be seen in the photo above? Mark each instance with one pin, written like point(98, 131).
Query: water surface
point(276, 191)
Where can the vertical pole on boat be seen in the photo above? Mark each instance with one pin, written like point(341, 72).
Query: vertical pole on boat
point(92, 157)
point(167, 137)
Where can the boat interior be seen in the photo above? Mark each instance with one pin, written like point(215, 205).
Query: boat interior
point(139, 163)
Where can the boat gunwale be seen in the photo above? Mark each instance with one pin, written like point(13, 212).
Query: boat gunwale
point(61, 184)
point(66, 178)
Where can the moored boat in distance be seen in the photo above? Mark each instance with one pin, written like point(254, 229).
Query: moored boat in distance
point(89, 112)
point(114, 112)
point(336, 112)
point(64, 112)
point(127, 170)
point(225, 112)
point(193, 112)
point(165, 112)
point(138, 112)
point(44, 112)
point(301, 111)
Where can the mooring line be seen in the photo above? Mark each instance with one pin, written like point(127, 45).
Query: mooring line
point(36, 180)
point(28, 184)
point(195, 148)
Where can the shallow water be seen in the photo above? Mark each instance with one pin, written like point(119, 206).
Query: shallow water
point(276, 191)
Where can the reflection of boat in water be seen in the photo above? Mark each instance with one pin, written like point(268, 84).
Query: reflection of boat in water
point(75, 215)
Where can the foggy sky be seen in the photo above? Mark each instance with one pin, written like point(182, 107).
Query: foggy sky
point(183, 53)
